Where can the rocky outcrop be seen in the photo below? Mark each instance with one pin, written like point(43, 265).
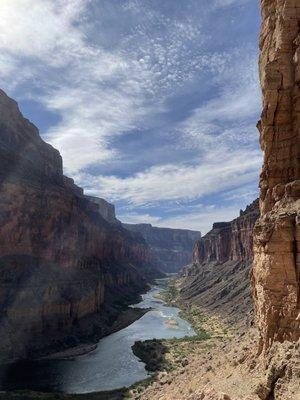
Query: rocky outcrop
point(61, 262)
point(170, 249)
point(229, 241)
point(276, 271)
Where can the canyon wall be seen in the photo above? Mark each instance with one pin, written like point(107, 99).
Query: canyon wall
point(218, 279)
point(171, 249)
point(275, 278)
point(61, 262)
point(229, 240)
point(105, 209)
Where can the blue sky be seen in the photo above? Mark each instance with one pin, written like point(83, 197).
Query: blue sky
point(152, 103)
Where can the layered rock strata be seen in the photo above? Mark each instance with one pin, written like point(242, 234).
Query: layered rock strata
point(170, 249)
point(105, 209)
point(229, 241)
point(218, 279)
point(61, 262)
point(276, 270)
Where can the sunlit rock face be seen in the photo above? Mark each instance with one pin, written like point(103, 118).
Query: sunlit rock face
point(218, 279)
point(276, 270)
point(229, 241)
point(61, 262)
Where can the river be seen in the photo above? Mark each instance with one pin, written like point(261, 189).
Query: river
point(112, 365)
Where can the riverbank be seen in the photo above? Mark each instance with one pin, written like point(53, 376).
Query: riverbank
point(219, 363)
point(109, 366)
point(167, 359)
point(126, 318)
point(114, 353)
point(170, 354)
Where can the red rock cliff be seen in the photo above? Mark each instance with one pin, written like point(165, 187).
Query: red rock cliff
point(219, 278)
point(61, 261)
point(276, 268)
point(229, 241)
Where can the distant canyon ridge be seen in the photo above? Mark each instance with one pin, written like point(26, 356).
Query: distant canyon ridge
point(170, 249)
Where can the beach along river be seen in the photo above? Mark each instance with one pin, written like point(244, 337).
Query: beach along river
point(112, 364)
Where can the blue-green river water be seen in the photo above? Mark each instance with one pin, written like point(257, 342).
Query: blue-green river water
point(112, 365)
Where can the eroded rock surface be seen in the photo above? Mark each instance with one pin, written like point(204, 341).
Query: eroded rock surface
point(105, 209)
point(277, 234)
point(229, 240)
point(61, 262)
point(218, 279)
point(170, 249)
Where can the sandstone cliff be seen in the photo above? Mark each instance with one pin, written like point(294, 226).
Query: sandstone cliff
point(218, 279)
point(276, 268)
point(229, 240)
point(61, 261)
point(170, 249)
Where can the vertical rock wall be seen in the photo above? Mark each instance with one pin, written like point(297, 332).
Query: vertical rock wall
point(275, 278)
point(229, 241)
point(62, 265)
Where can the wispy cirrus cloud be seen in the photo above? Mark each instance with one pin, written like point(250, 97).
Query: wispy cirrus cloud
point(173, 182)
point(226, 3)
point(152, 106)
point(197, 219)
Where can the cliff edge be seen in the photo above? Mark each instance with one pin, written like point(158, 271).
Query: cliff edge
point(276, 270)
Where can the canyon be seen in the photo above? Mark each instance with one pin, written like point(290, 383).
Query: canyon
point(65, 257)
point(260, 361)
point(63, 266)
point(170, 249)
point(271, 243)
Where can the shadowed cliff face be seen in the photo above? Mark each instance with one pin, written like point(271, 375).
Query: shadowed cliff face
point(60, 261)
point(170, 249)
point(218, 279)
point(105, 209)
point(276, 269)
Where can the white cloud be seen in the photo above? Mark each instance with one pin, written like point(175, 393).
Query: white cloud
point(100, 93)
point(32, 28)
point(97, 93)
point(173, 182)
point(135, 218)
point(226, 142)
point(200, 220)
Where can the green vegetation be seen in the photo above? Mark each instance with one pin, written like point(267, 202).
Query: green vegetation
point(171, 293)
point(169, 354)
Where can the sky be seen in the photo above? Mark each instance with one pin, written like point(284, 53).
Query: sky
point(153, 104)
